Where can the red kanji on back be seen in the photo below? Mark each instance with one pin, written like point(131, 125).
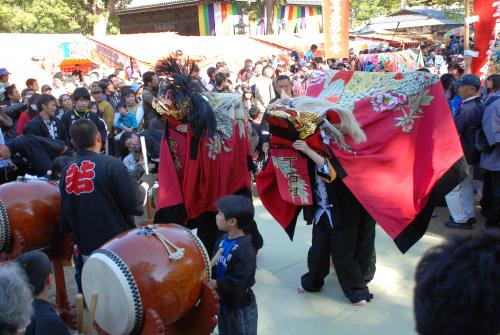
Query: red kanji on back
point(80, 179)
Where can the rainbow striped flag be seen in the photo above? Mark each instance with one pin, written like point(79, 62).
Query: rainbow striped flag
point(296, 19)
point(217, 19)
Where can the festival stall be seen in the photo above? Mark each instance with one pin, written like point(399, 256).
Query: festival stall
point(85, 65)
point(34, 55)
point(68, 55)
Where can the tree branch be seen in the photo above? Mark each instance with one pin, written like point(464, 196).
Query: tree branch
point(87, 6)
point(111, 7)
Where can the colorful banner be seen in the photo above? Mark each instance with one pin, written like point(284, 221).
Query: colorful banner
point(484, 37)
point(297, 19)
point(218, 19)
point(336, 23)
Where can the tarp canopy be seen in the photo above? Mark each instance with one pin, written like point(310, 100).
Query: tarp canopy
point(301, 44)
point(148, 48)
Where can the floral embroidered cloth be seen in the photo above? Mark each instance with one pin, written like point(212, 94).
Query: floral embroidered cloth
point(400, 61)
point(196, 171)
point(411, 156)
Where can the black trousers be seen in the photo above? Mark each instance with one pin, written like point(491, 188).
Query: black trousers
point(493, 219)
point(351, 245)
point(486, 198)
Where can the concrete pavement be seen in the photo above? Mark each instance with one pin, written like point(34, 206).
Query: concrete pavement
point(281, 262)
point(283, 311)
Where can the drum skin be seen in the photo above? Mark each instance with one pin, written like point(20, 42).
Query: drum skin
point(170, 287)
point(33, 209)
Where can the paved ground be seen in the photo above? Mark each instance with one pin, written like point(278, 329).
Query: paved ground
point(282, 262)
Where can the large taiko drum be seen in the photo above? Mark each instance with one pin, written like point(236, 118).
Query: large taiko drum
point(31, 207)
point(161, 267)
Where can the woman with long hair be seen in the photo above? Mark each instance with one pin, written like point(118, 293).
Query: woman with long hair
point(247, 99)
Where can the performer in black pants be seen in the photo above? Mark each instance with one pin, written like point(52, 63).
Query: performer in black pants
point(343, 230)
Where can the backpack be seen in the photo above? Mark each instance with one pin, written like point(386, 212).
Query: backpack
point(481, 142)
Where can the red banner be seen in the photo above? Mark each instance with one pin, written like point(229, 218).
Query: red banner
point(484, 35)
point(336, 28)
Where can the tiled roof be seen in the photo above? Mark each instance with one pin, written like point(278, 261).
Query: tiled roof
point(146, 4)
point(412, 14)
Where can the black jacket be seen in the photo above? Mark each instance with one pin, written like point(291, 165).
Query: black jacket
point(45, 320)
point(468, 120)
point(98, 199)
point(147, 99)
point(36, 152)
point(70, 117)
point(38, 127)
point(235, 287)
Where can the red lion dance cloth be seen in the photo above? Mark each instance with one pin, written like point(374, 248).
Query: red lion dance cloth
point(204, 154)
point(392, 135)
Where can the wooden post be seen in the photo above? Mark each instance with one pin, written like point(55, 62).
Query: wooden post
point(79, 314)
point(89, 330)
point(467, 58)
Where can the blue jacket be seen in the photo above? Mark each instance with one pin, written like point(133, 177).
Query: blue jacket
point(468, 120)
point(128, 120)
point(491, 127)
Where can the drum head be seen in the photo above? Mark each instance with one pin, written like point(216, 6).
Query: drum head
point(119, 307)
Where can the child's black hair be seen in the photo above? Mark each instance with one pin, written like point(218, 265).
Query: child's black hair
point(58, 165)
point(254, 112)
point(238, 207)
point(121, 104)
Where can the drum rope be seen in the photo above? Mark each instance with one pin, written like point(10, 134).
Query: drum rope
point(4, 228)
point(201, 248)
point(174, 252)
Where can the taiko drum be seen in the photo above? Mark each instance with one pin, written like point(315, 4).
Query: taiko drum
point(31, 207)
point(161, 267)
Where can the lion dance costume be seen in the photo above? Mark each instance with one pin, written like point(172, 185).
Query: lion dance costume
point(393, 143)
point(205, 153)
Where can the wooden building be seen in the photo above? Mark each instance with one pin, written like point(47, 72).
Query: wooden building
point(217, 18)
point(416, 20)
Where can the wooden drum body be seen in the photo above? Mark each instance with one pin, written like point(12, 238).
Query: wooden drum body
point(31, 207)
point(160, 267)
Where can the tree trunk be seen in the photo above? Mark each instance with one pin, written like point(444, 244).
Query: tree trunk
point(269, 5)
point(102, 13)
point(101, 24)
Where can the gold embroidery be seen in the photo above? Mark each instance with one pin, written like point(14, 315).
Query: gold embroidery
point(297, 187)
point(304, 122)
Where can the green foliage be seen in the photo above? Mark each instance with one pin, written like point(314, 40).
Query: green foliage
point(46, 16)
point(55, 16)
point(364, 10)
